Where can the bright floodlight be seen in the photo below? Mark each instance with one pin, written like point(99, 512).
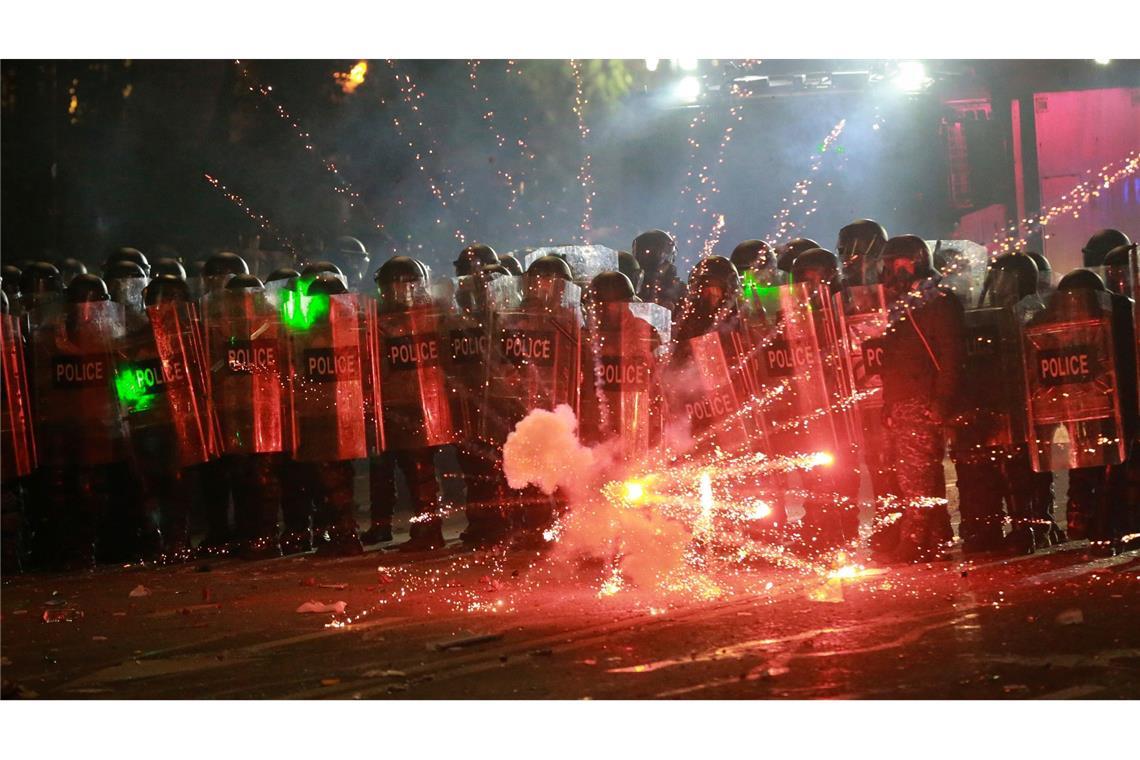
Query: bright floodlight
point(651, 63)
point(911, 76)
point(689, 88)
point(687, 64)
point(1103, 61)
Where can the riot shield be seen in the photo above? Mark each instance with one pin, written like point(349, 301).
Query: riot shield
point(535, 357)
point(412, 393)
point(991, 401)
point(19, 446)
point(586, 261)
point(1073, 400)
point(74, 356)
point(467, 331)
point(711, 382)
point(246, 371)
point(327, 395)
point(862, 313)
point(803, 397)
point(626, 344)
point(964, 270)
point(161, 388)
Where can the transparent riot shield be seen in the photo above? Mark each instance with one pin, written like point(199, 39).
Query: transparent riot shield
point(467, 332)
point(991, 402)
point(802, 399)
point(535, 356)
point(710, 384)
point(626, 342)
point(19, 446)
point(412, 392)
point(74, 355)
point(1072, 392)
point(247, 386)
point(586, 261)
point(161, 387)
point(964, 267)
point(327, 394)
point(862, 315)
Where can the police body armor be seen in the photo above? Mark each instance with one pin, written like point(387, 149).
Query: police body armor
point(16, 437)
point(535, 360)
point(1073, 399)
point(627, 342)
point(78, 420)
point(327, 395)
point(161, 386)
point(246, 370)
point(409, 386)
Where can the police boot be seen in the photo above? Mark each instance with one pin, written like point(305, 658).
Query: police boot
point(12, 529)
point(382, 499)
point(924, 535)
point(885, 529)
point(337, 510)
point(980, 536)
point(1022, 539)
point(121, 527)
point(258, 502)
point(425, 533)
point(296, 508)
point(214, 477)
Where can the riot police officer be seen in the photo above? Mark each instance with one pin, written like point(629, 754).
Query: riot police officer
point(170, 267)
point(69, 268)
point(79, 430)
point(992, 462)
point(511, 265)
point(1095, 345)
point(627, 265)
point(468, 329)
point(10, 275)
point(860, 245)
point(787, 253)
point(132, 255)
point(328, 418)
point(922, 355)
point(473, 258)
point(40, 283)
point(831, 517)
point(655, 252)
point(352, 259)
point(1098, 246)
point(410, 379)
point(17, 447)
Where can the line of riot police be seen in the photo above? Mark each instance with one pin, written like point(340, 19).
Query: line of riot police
point(138, 401)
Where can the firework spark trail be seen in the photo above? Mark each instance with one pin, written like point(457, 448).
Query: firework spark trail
point(261, 220)
point(342, 186)
point(1072, 202)
point(799, 193)
point(585, 179)
point(526, 158)
point(687, 188)
point(708, 177)
point(507, 177)
point(441, 189)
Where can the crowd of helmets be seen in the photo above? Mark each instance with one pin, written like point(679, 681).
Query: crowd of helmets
point(85, 482)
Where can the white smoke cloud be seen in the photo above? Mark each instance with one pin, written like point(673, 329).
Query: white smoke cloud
point(543, 450)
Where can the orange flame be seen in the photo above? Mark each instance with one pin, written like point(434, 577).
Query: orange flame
point(353, 78)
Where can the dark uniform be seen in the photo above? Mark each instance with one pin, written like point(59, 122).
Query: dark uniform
point(923, 348)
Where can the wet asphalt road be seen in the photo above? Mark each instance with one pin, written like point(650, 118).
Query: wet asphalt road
point(1060, 623)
